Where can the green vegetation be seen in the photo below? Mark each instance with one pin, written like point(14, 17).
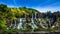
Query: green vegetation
point(9, 15)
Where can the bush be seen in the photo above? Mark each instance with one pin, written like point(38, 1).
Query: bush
point(2, 24)
point(36, 29)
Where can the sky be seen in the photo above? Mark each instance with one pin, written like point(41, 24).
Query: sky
point(40, 5)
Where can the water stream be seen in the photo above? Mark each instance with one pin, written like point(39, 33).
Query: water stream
point(32, 23)
point(20, 24)
point(22, 20)
point(15, 24)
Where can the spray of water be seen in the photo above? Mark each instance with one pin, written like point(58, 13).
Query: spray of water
point(20, 24)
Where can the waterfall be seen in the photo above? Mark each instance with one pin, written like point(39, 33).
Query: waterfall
point(21, 21)
point(20, 24)
point(11, 25)
point(35, 15)
point(51, 22)
point(15, 25)
point(32, 23)
point(43, 25)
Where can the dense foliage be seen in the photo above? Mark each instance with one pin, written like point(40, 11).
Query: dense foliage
point(8, 15)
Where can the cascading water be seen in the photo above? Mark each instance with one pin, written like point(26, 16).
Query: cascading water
point(15, 25)
point(21, 21)
point(43, 25)
point(10, 25)
point(32, 24)
point(20, 24)
point(35, 15)
point(51, 23)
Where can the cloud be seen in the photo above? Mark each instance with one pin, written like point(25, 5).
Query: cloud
point(45, 9)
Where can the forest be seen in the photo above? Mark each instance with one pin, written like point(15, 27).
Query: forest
point(24, 19)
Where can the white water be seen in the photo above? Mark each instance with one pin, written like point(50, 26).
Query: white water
point(21, 21)
point(20, 24)
point(32, 23)
point(43, 25)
